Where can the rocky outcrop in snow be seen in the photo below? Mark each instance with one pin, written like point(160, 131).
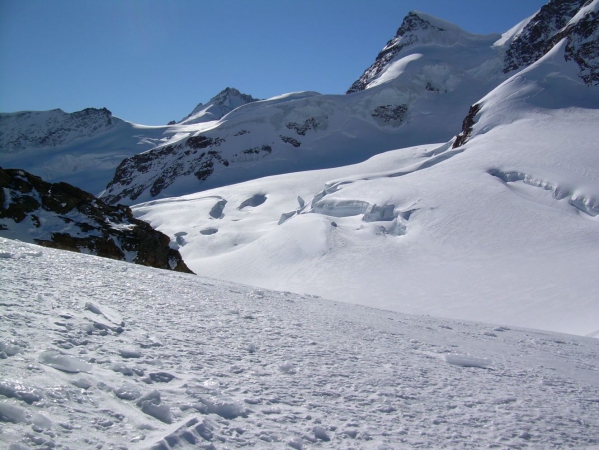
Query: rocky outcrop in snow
point(62, 216)
point(41, 129)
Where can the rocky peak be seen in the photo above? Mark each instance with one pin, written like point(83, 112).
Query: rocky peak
point(218, 106)
point(536, 37)
point(229, 95)
point(59, 215)
point(39, 129)
point(416, 28)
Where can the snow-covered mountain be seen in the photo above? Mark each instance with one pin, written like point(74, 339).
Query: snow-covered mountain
point(62, 216)
point(81, 148)
point(40, 129)
point(129, 356)
point(218, 106)
point(417, 92)
point(85, 147)
point(498, 227)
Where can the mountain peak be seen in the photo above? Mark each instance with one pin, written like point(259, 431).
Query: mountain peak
point(417, 28)
point(415, 21)
point(228, 93)
point(218, 106)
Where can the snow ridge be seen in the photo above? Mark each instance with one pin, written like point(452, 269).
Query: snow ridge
point(42, 129)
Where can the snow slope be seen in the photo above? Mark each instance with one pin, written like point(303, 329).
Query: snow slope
point(124, 356)
point(502, 229)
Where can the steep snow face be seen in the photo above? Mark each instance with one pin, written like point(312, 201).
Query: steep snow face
point(502, 228)
point(43, 129)
point(218, 106)
point(124, 355)
point(435, 39)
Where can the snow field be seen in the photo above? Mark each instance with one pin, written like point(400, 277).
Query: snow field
point(99, 352)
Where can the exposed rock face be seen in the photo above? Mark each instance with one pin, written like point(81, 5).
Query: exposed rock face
point(393, 114)
point(574, 20)
point(33, 129)
point(62, 216)
point(583, 45)
point(467, 126)
point(404, 37)
point(197, 155)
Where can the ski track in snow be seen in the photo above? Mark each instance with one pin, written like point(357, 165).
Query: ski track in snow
point(104, 354)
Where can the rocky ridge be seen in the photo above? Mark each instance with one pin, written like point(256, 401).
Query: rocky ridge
point(532, 42)
point(62, 216)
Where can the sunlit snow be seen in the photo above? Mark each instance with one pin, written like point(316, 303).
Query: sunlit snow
point(105, 354)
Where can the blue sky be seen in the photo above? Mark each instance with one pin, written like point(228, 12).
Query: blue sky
point(152, 61)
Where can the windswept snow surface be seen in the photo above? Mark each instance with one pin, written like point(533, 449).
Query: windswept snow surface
point(104, 354)
point(501, 230)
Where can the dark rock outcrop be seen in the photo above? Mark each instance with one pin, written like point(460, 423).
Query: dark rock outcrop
point(467, 126)
point(62, 216)
point(189, 157)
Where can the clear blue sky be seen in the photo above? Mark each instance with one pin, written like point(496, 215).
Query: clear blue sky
point(152, 61)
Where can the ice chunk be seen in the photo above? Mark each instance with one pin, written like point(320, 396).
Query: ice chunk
point(208, 231)
point(82, 383)
point(122, 368)
point(42, 421)
point(286, 216)
point(467, 361)
point(129, 353)
point(340, 208)
point(287, 367)
point(152, 397)
point(380, 213)
point(127, 392)
point(93, 308)
point(321, 433)
point(223, 406)
point(160, 412)
point(65, 363)
point(161, 377)
point(11, 413)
